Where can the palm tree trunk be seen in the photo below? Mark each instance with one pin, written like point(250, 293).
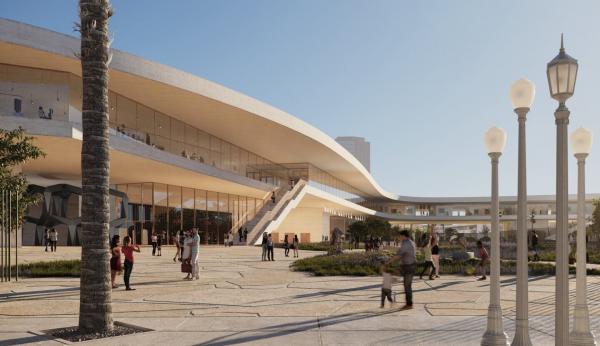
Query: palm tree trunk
point(95, 305)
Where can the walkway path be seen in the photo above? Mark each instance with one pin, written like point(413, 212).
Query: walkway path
point(241, 300)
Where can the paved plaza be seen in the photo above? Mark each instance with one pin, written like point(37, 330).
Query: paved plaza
point(242, 300)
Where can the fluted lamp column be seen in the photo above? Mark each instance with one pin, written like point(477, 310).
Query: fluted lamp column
point(522, 93)
point(495, 141)
point(581, 143)
point(562, 75)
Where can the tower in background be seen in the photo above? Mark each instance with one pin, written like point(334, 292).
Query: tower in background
point(359, 147)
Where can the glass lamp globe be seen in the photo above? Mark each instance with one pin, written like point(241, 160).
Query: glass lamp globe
point(522, 93)
point(562, 75)
point(581, 141)
point(495, 140)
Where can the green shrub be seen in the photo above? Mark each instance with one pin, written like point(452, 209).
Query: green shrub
point(362, 264)
point(62, 268)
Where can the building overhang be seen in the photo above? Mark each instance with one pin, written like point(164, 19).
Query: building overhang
point(232, 116)
point(130, 162)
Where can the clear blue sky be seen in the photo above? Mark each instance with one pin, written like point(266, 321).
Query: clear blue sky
point(421, 80)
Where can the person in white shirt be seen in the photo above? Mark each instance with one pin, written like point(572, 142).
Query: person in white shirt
point(386, 286)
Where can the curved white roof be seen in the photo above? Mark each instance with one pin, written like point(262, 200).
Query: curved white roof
point(232, 116)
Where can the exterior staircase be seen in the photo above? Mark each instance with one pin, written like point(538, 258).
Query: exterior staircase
point(267, 206)
point(262, 221)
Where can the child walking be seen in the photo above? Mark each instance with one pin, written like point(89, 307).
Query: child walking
point(128, 250)
point(386, 286)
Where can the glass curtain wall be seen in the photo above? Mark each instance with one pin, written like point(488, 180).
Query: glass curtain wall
point(168, 209)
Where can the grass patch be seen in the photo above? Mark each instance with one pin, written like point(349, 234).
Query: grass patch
point(62, 268)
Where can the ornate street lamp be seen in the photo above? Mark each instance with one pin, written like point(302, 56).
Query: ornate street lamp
point(562, 75)
point(522, 93)
point(495, 141)
point(581, 143)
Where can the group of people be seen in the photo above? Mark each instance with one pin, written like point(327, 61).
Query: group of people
point(242, 234)
point(406, 256)
point(50, 239)
point(116, 266)
point(373, 244)
point(188, 248)
point(267, 246)
point(157, 240)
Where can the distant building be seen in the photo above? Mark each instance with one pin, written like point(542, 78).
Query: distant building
point(359, 147)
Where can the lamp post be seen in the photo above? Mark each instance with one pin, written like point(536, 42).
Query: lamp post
point(495, 140)
point(522, 93)
point(562, 74)
point(581, 143)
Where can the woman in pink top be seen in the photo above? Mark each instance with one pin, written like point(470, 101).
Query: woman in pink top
point(128, 250)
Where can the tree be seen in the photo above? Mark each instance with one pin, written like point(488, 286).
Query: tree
point(95, 303)
point(449, 233)
point(16, 149)
point(377, 227)
point(358, 230)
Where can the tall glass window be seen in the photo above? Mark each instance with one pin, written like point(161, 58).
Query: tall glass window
point(161, 210)
point(188, 208)
point(212, 203)
point(224, 217)
point(175, 212)
point(201, 215)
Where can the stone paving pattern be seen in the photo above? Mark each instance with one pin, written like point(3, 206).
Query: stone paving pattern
point(242, 300)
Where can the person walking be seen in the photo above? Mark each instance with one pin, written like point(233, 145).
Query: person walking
point(128, 249)
point(154, 241)
point(535, 245)
point(286, 245)
point(186, 256)
point(265, 239)
point(46, 238)
point(270, 255)
point(115, 259)
point(159, 240)
point(428, 260)
point(182, 237)
point(483, 262)
point(176, 241)
point(245, 234)
point(408, 260)
point(273, 197)
point(240, 234)
point(195, 252)
point(230, 239)
point(295, 245)
point(53, 239)
point(435, 255)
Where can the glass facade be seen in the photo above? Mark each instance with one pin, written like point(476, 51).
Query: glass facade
point(155, 207)
point(34, 93)
point(37, 93)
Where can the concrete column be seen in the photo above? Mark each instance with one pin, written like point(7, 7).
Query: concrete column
point(494, 335)
point(581, 334)
point(522, 321)
point(561, 317)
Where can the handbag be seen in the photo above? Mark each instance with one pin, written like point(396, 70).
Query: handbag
point(186, 267)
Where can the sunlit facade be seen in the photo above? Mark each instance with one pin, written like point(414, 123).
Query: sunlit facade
point(188, 153)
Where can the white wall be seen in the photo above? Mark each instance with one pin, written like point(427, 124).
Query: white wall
point(305, 220)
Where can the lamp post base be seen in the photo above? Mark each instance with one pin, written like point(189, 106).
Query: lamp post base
point(522, 334)
point(494, 335)
point(581, 334)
